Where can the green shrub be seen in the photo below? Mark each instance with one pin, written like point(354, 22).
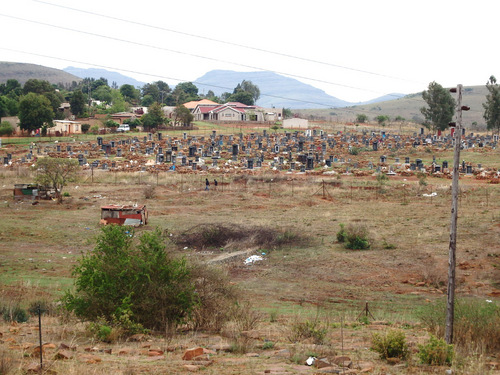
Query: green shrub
point(341, 234)
point(85, 128)
point(138, 281)
point(268, 345)
point(310, 329)
point(357, 238)
point(6, 128)
point(15, 314)
point(477, 322)
point(436, 352)
point(391, 344)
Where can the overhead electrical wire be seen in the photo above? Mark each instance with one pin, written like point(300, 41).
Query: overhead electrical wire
point(198, 56)
point(132, 22)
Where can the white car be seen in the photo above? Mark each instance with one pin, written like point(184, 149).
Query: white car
point(123, 128)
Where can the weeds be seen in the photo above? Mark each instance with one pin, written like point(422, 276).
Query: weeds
point(476, 325)
point(436, 352)
point(354, 237)
point(391, 344)
point(309, 329)
point(235, 236)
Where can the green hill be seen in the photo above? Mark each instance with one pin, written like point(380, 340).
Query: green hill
point(23, 72)
point(407, 107)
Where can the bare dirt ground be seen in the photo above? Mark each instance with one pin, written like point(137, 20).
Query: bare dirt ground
point(406, 267)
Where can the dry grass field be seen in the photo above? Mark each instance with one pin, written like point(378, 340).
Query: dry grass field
point(313, 279)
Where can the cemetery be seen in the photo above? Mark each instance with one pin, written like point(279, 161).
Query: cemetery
point(286, 196)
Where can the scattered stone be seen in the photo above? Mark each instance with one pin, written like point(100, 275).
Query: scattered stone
point(283, 353)
point(252, 355)
point(49, 346)
point(67, 347)
point(63, 354)
point(36, 351)
point(90, 358)
point(341, 360)
point(222, 347)
point(192, 368)
point(124, 351)
point(322, 363)
point(208, 351)
point(192, 353)
point(34, 368)
point(154, 352)
point(330, 370)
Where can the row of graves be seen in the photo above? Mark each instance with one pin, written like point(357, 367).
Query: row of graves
point(312, 151)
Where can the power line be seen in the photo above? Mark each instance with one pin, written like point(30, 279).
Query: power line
point(186, 53)
point(155, 75)
point(129, 21)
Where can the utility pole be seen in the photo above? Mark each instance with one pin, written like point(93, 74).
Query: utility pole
point(450, 305)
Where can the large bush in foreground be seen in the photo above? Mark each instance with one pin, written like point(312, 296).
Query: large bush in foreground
point(133, 283)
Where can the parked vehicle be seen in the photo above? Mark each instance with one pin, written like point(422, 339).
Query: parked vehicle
point(123, 128)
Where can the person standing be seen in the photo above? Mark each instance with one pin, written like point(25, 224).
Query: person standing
point(215, 184)
point(207, 184)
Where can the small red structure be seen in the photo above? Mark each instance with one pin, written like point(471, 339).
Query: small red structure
point(124, 215)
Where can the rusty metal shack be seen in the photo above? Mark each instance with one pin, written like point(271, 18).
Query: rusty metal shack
point(31, 192)
point(124, 215)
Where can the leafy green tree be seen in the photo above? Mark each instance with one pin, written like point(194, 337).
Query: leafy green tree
point(4, 110)
point(185, 92)
point(154, 118)
point(492, 105)
point(118, 102)
point(244, 97)
point(381, 119)
point(103, 93)
point(287, 113)
point(56, 173)
point(6, 129)
point(248, 86)
point(35, 112)
point(77, 103)
point(361, 118)
point(135, 283)
point(37, 86)
point(130, 93)
point(183, 115)
point(12, 88)
point(441, 107)
point(147, 100)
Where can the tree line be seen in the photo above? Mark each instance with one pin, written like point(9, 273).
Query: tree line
point(37, 103)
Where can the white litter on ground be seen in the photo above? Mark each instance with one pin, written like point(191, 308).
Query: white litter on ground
point(430, 195)
point(253, 259)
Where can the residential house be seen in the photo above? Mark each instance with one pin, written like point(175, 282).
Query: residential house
point(65, 127)
point(232, 111)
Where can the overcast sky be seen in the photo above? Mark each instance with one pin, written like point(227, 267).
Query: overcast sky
point(354, 50)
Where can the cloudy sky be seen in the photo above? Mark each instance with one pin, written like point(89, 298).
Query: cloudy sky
point(354, 50)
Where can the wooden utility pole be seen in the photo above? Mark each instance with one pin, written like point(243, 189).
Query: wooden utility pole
point(450, 305)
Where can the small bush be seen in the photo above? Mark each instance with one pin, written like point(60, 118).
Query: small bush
point(6, 129)
point(15, 314)
point(268, 345)
point(46, 308)
point(392, 344)
point(149, 192)
point(341, 234)
point(436, 352)
point(310, 329)
point(357, 237)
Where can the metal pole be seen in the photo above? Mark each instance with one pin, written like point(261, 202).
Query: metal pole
point(40, 334)
point(450, 305)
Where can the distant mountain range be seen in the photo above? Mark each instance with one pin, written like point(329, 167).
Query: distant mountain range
point(276, 90)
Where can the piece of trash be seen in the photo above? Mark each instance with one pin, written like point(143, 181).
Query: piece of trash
point(310, 361)
point(489, 301)
point(186, 248)
point(253, 259)
point(430, 195)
